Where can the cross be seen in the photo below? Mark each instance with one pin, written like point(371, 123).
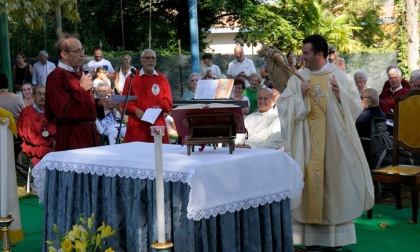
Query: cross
point(318, 93)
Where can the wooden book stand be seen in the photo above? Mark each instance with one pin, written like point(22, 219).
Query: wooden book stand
point(211, 129)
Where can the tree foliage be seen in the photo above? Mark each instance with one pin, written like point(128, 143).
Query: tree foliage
point(33, 11)
point(282, 23)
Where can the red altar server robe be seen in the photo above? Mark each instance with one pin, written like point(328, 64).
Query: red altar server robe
point(151, 91)
point(31, 124)
point(73, 109)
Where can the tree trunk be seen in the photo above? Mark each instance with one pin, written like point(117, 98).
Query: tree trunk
point(58, 22)
point(412, 9)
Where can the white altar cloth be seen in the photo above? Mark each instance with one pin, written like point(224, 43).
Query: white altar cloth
point(219, 181)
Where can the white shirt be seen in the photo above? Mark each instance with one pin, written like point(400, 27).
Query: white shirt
point(215, 71)
point(93, 64)
point(122, 78)
point(41, 71)
point(247, 66)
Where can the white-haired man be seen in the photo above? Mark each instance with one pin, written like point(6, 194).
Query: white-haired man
point(387, 97)
point(42, 69)
point(240, 66)
point(263, 126)
point(153, 91)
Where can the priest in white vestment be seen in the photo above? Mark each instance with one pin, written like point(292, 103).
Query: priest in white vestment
point(263, 126)
point(338, 189)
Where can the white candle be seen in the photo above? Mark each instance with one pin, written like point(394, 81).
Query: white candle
point(160, 204)
point(4, 123)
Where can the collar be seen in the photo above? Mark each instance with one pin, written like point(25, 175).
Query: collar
point(67, 67)
point(245, 59)
point(398, 88)
point(324, 68)
point(37, 109)
point(143, 73)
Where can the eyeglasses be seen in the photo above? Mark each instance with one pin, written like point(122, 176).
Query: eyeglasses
point(332, 52)
point(149, 58)
point(78, 51)
point(40, 94)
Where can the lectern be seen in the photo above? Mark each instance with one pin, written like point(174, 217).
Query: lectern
point(211, 129)
point(209, 124)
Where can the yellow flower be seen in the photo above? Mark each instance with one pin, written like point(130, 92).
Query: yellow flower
point(109, 250)
point(83, 233)
point(67, 245)
point(98, 240)
point(52, 249)
point(107, 231)
point(90, 221)
point(101, 227)
point(74, 233)
point(80, 246)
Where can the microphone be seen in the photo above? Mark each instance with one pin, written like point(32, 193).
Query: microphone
point(133, 71)
point(86, 69)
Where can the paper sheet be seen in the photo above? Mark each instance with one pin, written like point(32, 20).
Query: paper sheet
point(151, 114)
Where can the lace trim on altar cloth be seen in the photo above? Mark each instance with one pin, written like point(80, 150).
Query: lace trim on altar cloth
point(243, 204)
point(102, 170)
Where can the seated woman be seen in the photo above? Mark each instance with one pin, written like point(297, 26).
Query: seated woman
point(109, 125)
point(252, 90)
point(239, 86)
point(192, 82)
point(100, 73)
point(27, 91)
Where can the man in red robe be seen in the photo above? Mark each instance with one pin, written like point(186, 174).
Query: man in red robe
point(37, 133)
point(69, 99)
point(153, 91)
point(387, 97)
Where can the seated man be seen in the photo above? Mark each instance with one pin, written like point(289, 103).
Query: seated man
point(263, 126)
point(386, 98)
point(108, 126)
point(371, 109)
point(37, 133)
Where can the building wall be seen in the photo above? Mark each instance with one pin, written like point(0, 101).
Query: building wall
point(222, 41)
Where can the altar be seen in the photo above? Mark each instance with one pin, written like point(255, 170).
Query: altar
point(214, 201)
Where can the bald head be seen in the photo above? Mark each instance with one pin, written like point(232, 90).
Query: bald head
point(265, 98)
point(239, 53)
point(370, 98)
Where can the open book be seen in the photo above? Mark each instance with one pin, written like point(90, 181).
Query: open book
point(212, 111)
point(214, 89)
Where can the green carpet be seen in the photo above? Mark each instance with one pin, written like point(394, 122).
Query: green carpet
point(397, 236)
point(32, 215)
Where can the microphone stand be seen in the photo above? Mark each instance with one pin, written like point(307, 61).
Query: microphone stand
point(133, 72)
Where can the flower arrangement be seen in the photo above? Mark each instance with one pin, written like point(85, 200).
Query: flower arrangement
point(82, 238)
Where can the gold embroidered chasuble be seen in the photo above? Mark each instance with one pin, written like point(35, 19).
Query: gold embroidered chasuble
point(338, 186)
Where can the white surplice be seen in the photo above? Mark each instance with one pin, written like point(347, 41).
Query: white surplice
point(264, 131)
point(348, 189)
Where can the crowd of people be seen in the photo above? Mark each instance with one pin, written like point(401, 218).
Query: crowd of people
point(63, 107)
